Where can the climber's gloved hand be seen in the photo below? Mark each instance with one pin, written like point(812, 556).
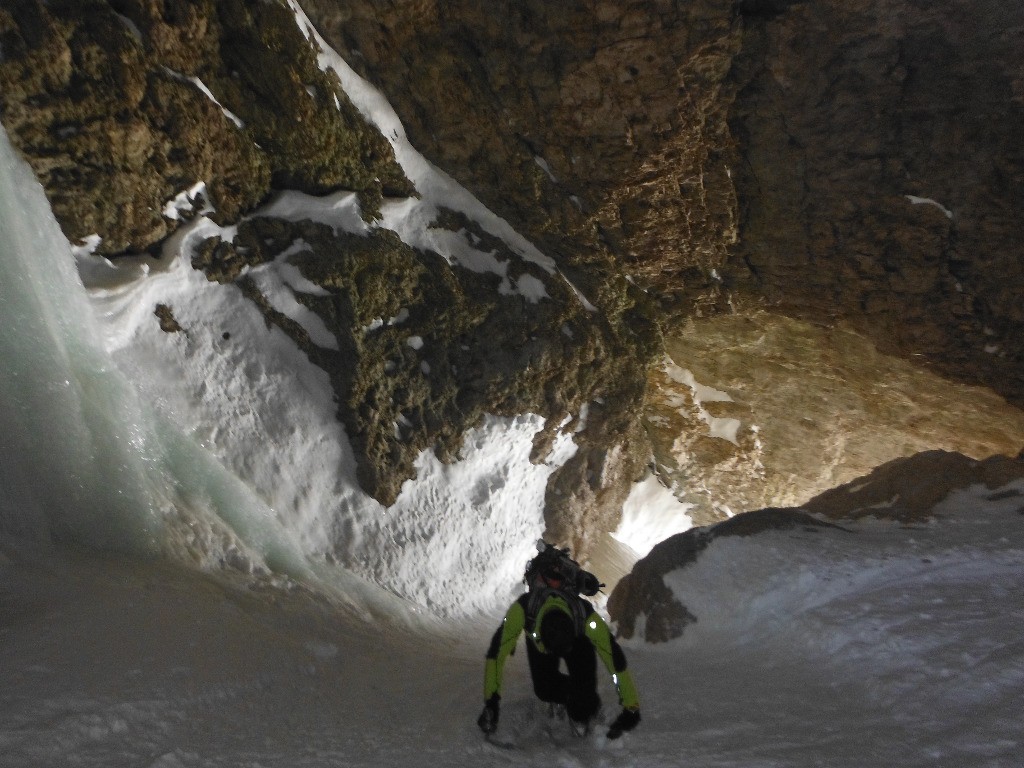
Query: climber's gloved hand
point(488, 720)
point(627, 720)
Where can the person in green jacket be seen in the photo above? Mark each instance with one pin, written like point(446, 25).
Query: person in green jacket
point(560, 626)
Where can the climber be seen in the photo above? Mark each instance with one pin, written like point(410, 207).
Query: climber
point(560, 627)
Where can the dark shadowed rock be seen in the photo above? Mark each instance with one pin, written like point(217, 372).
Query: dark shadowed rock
point(881, 176)
point(854, 161)
point(599, 127)
point(908, 489)
point(842, 162)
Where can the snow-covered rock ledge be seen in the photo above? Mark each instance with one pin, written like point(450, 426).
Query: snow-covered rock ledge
point(936, 498)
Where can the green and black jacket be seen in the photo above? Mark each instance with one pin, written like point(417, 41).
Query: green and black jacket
point(594, 628)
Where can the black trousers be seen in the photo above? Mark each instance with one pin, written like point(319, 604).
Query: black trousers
point(577, 690)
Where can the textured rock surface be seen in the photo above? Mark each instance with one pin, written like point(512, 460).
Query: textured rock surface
point(755, 410)
point(882, 176)
point(600, 127)
point(426, 349)
point(120, 106)
point(841, 160)
point(854, 164)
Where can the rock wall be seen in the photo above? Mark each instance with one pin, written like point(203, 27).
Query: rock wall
point(751, 410)
point(597, 125)
point(852, 163)
point(479, 351)
point(123, 107)
point(120, 106)
point(882, 175)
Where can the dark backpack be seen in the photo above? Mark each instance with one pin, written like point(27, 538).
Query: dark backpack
point(551, 560)
point(553, 573)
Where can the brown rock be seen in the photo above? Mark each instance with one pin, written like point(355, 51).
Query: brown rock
point(109, 103)
point(908, 489)
point(888, 129)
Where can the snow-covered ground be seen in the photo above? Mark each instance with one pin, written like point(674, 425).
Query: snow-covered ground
point(190, 576)
point(880, 646)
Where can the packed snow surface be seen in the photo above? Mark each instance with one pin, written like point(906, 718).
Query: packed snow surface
point(876, 645)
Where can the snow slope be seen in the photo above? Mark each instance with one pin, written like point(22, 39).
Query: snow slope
point(880, 645)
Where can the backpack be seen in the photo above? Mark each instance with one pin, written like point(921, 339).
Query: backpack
point(552, 561)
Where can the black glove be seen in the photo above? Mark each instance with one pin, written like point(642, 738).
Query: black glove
point(627, 720)
point(488, 720)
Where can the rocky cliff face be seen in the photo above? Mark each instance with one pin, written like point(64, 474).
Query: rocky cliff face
point(120, 106)
point(882, 174)
point(600, 127)
point(138, 115)
point(851, 165)
point(855, 165)
point(854, 161)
